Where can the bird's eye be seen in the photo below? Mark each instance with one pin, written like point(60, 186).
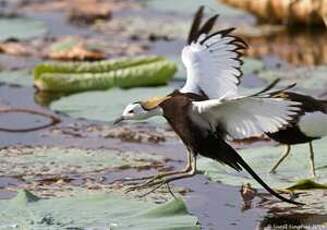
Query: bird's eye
point(130, 111)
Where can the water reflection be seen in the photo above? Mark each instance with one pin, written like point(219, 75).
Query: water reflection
point(296, 47)
point(44, 98)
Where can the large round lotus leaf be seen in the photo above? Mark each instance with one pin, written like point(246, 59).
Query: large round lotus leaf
point(20, 28)
point(29, 162)
point(261, 159)
point(310, 78)
point(105, 105)
point(93, 211)
point(18, 77)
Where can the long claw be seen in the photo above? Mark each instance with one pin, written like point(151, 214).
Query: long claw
point(312, 161)
point(164, 178)
point(170, 191)
point(137, 187)
point(153, 189)
point(123, 180)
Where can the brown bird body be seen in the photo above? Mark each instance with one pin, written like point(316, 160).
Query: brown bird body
point(177, 111)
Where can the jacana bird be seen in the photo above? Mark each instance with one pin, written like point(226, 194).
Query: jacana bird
point(208, 108)
point(310, 125)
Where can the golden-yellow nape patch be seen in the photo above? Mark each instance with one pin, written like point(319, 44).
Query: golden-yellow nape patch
point(153, 102)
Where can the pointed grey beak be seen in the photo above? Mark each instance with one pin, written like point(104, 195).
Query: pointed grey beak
point(119, 119)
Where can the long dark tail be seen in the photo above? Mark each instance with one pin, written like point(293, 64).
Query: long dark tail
point(261, 182)
point(227, 155)
point(325, 105)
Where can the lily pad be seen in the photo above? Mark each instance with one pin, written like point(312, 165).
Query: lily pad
point(104, 105)
point(28, 162)
point(20, 28)
point(308, 78)
point(17, 77)
point(252, 65)
point(293, 169)
point(307, 184)
point(95, 211)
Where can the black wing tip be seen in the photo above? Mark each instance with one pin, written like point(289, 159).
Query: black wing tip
point(227, 31)
point(195, 25)
point(277, 93)
point(207, 26)
point(196, 28)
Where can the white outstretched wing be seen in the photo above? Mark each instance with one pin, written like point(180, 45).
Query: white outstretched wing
point(213, 64)
point(244, 117)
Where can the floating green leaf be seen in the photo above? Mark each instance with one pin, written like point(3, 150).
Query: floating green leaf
point(123, 72)
point(93, 211)
point(252, 65)
point(20, 28)
point(104, 105)
point(294, 168)
point(309, 78)
point(307, 184)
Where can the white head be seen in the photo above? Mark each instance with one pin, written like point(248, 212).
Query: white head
point(135, 111)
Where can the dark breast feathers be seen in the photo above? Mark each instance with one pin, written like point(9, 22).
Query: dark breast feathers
point(203, 141)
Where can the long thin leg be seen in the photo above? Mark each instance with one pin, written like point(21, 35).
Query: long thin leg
point(165, 180)
point(158, 176)
point(312, 160)
point(284, 155)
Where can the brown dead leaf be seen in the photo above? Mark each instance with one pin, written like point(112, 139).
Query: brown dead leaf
point(77, 53)
point(14, 48)
point(74, 49)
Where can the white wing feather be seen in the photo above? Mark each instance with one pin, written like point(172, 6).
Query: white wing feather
point(213, 65)
point(244, 117)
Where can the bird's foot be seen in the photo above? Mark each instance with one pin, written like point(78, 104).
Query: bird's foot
point(144, 186)
point(133, 181)
point(158, 182)
point(148, 179)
